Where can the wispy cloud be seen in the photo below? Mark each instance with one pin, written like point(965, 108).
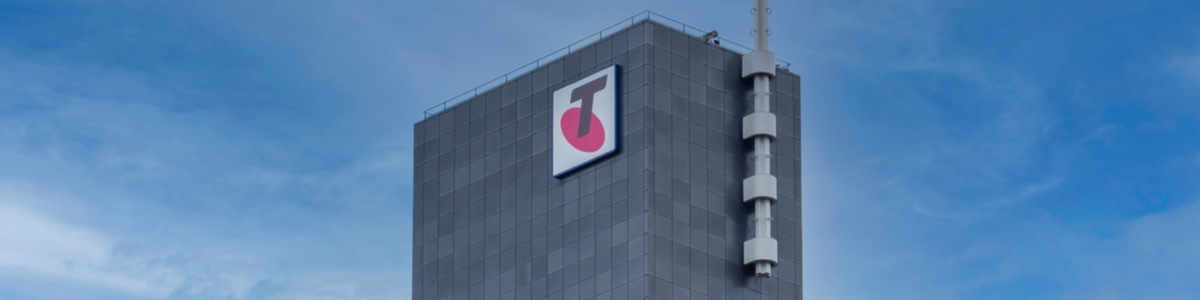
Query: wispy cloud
point(37, 244)
point(1102, 133)
point(1187, 66)
point(947, 155)
point(159, 183)
point(1157, 241)
point(1149, 257)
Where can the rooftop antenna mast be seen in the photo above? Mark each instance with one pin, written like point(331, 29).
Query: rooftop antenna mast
point(760, 188)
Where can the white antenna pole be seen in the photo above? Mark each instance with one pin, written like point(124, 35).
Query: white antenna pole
point(761, 188)
point(761, 30)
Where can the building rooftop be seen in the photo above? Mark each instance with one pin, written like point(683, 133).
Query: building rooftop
point(642, 17)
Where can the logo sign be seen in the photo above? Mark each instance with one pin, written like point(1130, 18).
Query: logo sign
point(585, 120)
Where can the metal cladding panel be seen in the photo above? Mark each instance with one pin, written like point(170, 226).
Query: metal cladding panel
point(659, 218)
point(491, 221)
point(698, 162)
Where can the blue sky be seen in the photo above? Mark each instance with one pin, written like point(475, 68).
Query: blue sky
point(262, 150)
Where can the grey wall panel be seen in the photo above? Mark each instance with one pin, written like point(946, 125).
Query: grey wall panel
point(697, 163)
point(660, 219)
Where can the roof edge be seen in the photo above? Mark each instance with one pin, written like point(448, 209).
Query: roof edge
point(633, 21)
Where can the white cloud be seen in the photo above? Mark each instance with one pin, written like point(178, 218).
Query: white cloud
point(39, 244)
point(1187, 66)
point(1156, 256)
point(1102, 133)
point(1168, 242)
point(125, 191)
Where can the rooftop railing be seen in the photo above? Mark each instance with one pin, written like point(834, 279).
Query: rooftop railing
point(588, 40)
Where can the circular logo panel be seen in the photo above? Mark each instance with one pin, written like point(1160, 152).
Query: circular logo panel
point(590, 141)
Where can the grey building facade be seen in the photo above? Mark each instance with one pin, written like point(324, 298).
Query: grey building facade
point(662, 218)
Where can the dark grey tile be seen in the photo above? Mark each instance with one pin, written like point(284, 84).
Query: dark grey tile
point(603, 51)
point(637, 35)
point(587, 59)
point(679, 43)
point(661, 58)
point(697, 50)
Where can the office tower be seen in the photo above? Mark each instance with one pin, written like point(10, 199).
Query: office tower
point(652, 208)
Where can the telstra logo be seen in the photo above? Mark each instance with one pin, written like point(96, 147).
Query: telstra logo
point(585, 120)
